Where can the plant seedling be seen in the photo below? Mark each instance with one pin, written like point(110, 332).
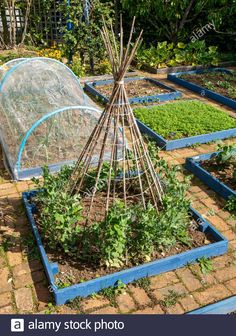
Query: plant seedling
point(205, 265)
point(112, 292)
point(170, 299)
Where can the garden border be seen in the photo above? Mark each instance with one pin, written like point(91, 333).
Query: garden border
point(194, 166)
point(219, 247)
point(173, 94)
point(174, 77)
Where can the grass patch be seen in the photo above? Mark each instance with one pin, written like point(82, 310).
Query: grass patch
point(184, 119)
point(111, 293)
point(143, 283)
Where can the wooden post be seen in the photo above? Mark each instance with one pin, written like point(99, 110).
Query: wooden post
point(6, 38)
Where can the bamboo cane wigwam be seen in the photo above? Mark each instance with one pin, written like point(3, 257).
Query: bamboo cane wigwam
point(130, 175)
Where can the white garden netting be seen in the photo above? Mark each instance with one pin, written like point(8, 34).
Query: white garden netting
point(45, 116)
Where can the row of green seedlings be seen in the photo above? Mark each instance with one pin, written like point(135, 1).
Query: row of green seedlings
point(225, 83)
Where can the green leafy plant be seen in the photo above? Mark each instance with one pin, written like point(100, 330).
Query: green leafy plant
point(134, 234)
point(231, 205)
point(128, 235)
point(78, 67)
point(225, 160)
point(91, 177)
point(111, 293)
point(113, 233)
point(51, 309)
point(59, 211)
point(173, 221)
point(205, 264)
point(144, 232)
point(103, 67)
point(166, 54)
point(84, 39)
point(184, 118)
point(227, 154)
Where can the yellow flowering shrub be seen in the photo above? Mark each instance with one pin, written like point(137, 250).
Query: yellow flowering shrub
point(51, 53)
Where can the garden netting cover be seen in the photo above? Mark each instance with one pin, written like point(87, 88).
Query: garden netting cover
point(45, 116)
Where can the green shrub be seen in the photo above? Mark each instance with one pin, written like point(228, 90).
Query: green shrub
point(227, 154)
point(77, 67)
point(166, 54)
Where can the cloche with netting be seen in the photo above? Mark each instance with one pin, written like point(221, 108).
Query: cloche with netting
point(45, 116)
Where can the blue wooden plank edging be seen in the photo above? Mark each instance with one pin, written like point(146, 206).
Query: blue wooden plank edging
point(193, 164)
point(185, 142)
point(175, 77)
point(173, 94)
point(225, 306)
point(84, 289)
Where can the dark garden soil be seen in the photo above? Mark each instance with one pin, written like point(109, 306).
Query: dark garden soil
point(222, 173)
point(74, 270)
point(136, 88)
point(222, 83)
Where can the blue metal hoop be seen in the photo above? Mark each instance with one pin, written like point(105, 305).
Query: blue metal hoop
point(38, 122)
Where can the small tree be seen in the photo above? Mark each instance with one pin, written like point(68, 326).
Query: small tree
point(84, 19)
point(174, 20)
point(168, 18)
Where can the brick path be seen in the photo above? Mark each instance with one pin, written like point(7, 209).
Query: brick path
point(24, 288)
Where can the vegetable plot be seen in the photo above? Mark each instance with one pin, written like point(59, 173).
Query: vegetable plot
point(111, 218)
point(218, 84)
point(180, 124)
point(218, 171)
point(221, 82)
point(140, 90)
point(131, 243)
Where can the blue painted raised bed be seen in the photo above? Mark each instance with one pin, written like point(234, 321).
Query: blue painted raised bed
point(226, 306)
point(91, 87)
point(175, 77)
point(193, 164)
point(84, 289)
point(185, 142)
